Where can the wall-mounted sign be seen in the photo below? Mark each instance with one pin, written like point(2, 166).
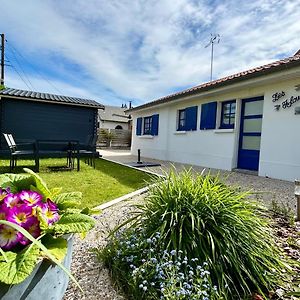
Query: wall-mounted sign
point(287, 102)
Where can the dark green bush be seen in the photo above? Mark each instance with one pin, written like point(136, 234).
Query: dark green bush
point(217, 224)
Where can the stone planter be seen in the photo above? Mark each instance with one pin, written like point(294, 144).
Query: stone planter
point(47, 281)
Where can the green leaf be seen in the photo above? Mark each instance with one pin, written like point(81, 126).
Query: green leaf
point(73, 223)
point(91, 211)
point(68, 196)
point(16, 182)
point(55, 191)
point(68, 200)
point(56, 246)
point(41, 247)
point(39, 183)
point(18, 265)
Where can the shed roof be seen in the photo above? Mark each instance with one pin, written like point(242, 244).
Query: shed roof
point(113, 114)
point(279, 65)
point(30, 95)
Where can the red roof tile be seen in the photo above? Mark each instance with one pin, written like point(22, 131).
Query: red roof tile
point(251, 73)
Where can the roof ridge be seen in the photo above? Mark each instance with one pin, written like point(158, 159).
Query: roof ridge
point(233, 77)
point(20, 93)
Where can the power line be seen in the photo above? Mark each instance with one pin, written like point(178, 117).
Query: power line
point(20, 67)
point(11, 65)
point(37, 71)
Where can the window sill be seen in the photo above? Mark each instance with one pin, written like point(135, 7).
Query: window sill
point(146, 136)
point(225, 130)
point(180, 132)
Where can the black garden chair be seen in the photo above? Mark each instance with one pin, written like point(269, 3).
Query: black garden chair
point(20, 151)
point(88, 150)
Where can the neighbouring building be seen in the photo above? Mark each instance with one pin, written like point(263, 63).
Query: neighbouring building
point(40, 116)
point(249, 120)
point(113, 117)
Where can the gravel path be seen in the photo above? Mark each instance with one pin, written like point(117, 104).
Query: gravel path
point(92, 276)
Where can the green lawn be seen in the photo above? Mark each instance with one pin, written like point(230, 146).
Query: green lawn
point(106, 182)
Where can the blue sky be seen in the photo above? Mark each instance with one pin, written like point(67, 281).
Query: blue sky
point(119, 50)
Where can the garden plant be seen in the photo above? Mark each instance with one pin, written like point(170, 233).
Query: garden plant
point(195, 238)
point(34, 222)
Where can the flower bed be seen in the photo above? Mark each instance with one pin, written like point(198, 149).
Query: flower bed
point(196, 238)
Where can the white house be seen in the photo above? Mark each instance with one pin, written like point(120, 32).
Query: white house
point(113, 117)
point(249, 120)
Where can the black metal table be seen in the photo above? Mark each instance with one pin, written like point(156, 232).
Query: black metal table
point(58, 148)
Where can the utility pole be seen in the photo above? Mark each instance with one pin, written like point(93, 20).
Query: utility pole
point(2, 59)
point(215, 38)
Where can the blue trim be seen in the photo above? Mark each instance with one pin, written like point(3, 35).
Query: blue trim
point(252, 134)
point(208, 116)
point(155, 121)
point(253, 99)
point(191, 118)
point(228, 126)
point(253, 116)
point(248, 159)
point(139, 126)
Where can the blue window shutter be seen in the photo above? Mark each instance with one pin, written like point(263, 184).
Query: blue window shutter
point(139, 126)
point(191, 118)
point(208, 115)
point(155, 120)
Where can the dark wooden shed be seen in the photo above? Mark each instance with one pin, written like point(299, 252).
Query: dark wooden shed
point(32, 116)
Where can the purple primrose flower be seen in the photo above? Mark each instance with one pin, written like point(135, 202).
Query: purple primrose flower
point(11, 201)
point(9, 237)
point(27, 210)
point(50, 212)
point(20, 215)
point(31, 198)
point(4, 193)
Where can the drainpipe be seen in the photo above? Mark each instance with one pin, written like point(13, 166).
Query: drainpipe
point(297, 195)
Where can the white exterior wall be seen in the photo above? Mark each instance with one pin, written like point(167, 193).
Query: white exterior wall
point(280, 141)
point(112, 125)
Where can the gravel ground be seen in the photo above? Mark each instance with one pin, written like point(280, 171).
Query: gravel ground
point(270, 189)
point(94, 277)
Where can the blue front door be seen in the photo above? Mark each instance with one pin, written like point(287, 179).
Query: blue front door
point(250, 133)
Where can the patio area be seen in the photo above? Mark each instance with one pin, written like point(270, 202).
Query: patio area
point(267, 189)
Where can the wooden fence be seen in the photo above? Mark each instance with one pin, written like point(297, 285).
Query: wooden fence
point(114, 138)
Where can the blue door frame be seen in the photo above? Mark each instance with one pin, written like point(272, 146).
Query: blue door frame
point(248, 158)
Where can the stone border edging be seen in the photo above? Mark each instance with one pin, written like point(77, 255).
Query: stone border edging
point(122, 198)
point(130, 195)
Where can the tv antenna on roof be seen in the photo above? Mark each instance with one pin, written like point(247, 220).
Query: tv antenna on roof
point(214, 38)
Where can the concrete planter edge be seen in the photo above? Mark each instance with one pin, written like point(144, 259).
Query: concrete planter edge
point(47, 281)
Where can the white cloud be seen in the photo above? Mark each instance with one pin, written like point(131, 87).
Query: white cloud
point(144, 49)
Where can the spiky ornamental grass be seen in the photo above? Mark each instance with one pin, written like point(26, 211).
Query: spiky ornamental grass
point(217, 224)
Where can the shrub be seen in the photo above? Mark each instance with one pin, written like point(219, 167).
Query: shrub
point(217, 224)
point(146, 271)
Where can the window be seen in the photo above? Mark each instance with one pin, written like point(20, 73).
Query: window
point(187, 119)
point(148, 125)
point(118, 127)
point(181, 120)
point(228, 114)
